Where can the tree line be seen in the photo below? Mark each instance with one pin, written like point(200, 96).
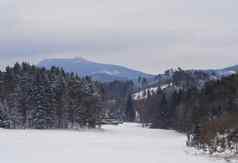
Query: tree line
point(32, 97)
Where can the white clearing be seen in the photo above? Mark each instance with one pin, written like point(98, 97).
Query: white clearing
point(128, 143)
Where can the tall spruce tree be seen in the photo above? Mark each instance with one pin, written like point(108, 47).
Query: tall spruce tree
point(130, 110)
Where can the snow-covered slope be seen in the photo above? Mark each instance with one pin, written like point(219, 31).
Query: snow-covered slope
point(127, 143)
point(98, 71)
point(143, 94)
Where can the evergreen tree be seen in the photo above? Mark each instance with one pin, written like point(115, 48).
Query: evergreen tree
point(130, 110)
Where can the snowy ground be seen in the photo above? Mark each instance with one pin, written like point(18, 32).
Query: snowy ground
point(128, 143)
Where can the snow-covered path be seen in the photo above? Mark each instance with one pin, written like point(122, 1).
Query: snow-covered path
point(128, 143)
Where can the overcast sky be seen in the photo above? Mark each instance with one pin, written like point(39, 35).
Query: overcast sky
point(148, 35)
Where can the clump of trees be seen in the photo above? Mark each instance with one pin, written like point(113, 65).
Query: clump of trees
point(215, 124)
point(32, 97)
point(217, 135)
point(118, 102)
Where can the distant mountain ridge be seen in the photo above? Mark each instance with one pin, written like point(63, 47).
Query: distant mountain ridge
point(98, 71)
point(232, 68)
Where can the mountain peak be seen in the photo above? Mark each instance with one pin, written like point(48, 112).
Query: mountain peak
point(98, 71)
point(81, 60)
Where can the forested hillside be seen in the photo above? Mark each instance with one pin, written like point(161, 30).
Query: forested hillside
point(207, 114)
point(32, 97)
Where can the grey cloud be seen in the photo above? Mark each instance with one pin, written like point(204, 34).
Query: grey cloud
point(148, 35)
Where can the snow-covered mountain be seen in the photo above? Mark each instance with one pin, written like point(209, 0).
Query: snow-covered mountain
point(232, 68)
point(98, 71)
point(176, 79)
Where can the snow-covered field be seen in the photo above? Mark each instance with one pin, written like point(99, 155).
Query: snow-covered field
point(128, 143)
